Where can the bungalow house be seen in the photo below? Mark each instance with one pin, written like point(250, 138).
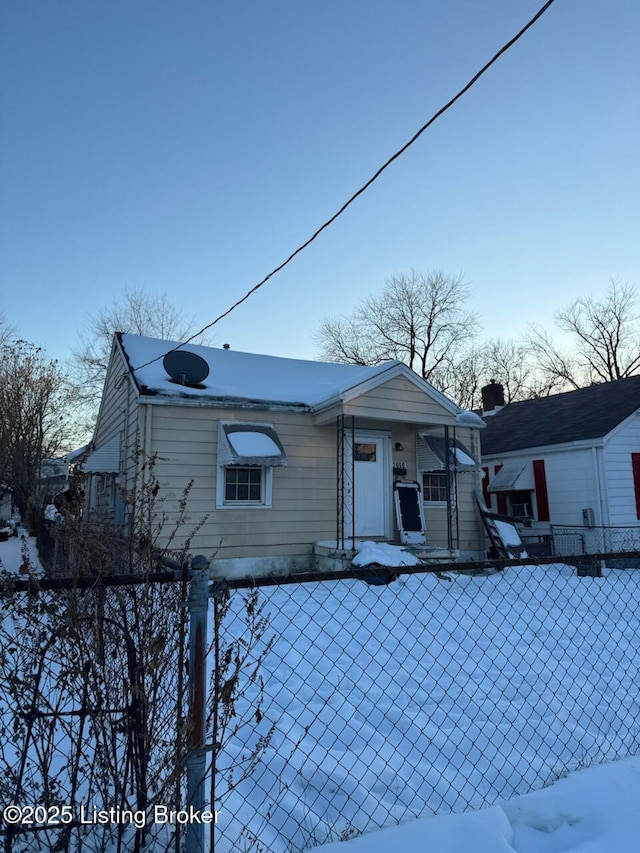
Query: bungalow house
point(283, 454)
point(568, 461)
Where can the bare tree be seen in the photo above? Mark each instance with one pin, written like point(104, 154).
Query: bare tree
point(7, 329)
point(137, 312)
point(33, 417)
point(418, 319)
point(515, 364)
point(604, 340)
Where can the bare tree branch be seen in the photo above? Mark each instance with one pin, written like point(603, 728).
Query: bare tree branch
point(33, 418)
point(604, 336)
point(418, 319)
point(138, 312)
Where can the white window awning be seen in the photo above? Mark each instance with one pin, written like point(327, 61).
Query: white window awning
point(250, 444)
point(104, 459)
point(513, 477)
point(432, 454)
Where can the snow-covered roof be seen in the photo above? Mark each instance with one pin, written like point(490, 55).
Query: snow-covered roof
point(74, 455)
point(50, 468)
point(247, 376)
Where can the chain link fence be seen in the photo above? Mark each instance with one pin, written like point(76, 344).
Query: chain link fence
point(342, 706)
point(93, 716)
point(336, 706)
point(578, 539)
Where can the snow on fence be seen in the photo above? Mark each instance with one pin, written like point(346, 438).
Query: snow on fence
point(355, 706)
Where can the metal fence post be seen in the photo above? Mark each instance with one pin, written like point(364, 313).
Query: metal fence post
point(196, 757)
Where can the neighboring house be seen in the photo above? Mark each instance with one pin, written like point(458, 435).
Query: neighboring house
point(52, 480)
point(570, 459)
point(282, 453)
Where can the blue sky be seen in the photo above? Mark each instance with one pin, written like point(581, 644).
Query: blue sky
point(188, 148)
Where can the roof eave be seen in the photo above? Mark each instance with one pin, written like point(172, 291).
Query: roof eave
point(222, 403)
point(584, 444)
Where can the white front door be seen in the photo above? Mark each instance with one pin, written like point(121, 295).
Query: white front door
point(371, 473)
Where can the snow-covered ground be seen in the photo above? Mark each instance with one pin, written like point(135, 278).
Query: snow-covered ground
point(591, 811)
point(428, 696)
point(13, 551)
point(396, 705)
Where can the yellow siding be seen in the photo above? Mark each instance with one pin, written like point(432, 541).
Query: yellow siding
point(399, 400)
point(114, 404)
point(304, 491)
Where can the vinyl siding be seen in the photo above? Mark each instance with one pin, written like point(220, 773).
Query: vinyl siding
point(619, 484)
point(304, 491)
point(117, 412)
point(570, 478)
point(114, 406)
point(399, 400)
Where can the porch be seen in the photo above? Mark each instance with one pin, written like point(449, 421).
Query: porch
point(328, 557)
point(376, 462)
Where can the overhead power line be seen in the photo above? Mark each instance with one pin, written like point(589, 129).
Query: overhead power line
point(368, 183)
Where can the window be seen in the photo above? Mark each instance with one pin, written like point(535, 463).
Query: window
point(440, 467)
point(243, 485)
point(365, 452)
point(434, 487)
point(247, 455)
point(248, 486)
point(519, 504)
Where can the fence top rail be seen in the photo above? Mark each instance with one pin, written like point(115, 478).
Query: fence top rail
point(380, 575)
point(375, 574)
point(582, 527)
point(9, 583)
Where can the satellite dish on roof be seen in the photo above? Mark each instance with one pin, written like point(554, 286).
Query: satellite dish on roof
point(185, 368)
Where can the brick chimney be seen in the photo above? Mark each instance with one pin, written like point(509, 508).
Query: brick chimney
point(492, 397)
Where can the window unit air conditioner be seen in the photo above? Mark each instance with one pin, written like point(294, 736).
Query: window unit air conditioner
point(520, 510)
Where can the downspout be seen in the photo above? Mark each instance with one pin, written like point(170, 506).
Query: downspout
point(146, 445)
point(603, 504)
point(447, 472)
point(353, 482)
point(456, 489)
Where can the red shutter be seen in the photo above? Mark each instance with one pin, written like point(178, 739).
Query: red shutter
point(635, 467)
point(540, 481)
point(501, 496)
point(485, 488)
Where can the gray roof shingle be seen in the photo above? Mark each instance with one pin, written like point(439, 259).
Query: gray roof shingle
point(573, 416)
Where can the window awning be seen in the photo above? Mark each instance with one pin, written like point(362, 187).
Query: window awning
point(512, 477)
point(432, 454)
point(250, 444)
point(104, 459)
